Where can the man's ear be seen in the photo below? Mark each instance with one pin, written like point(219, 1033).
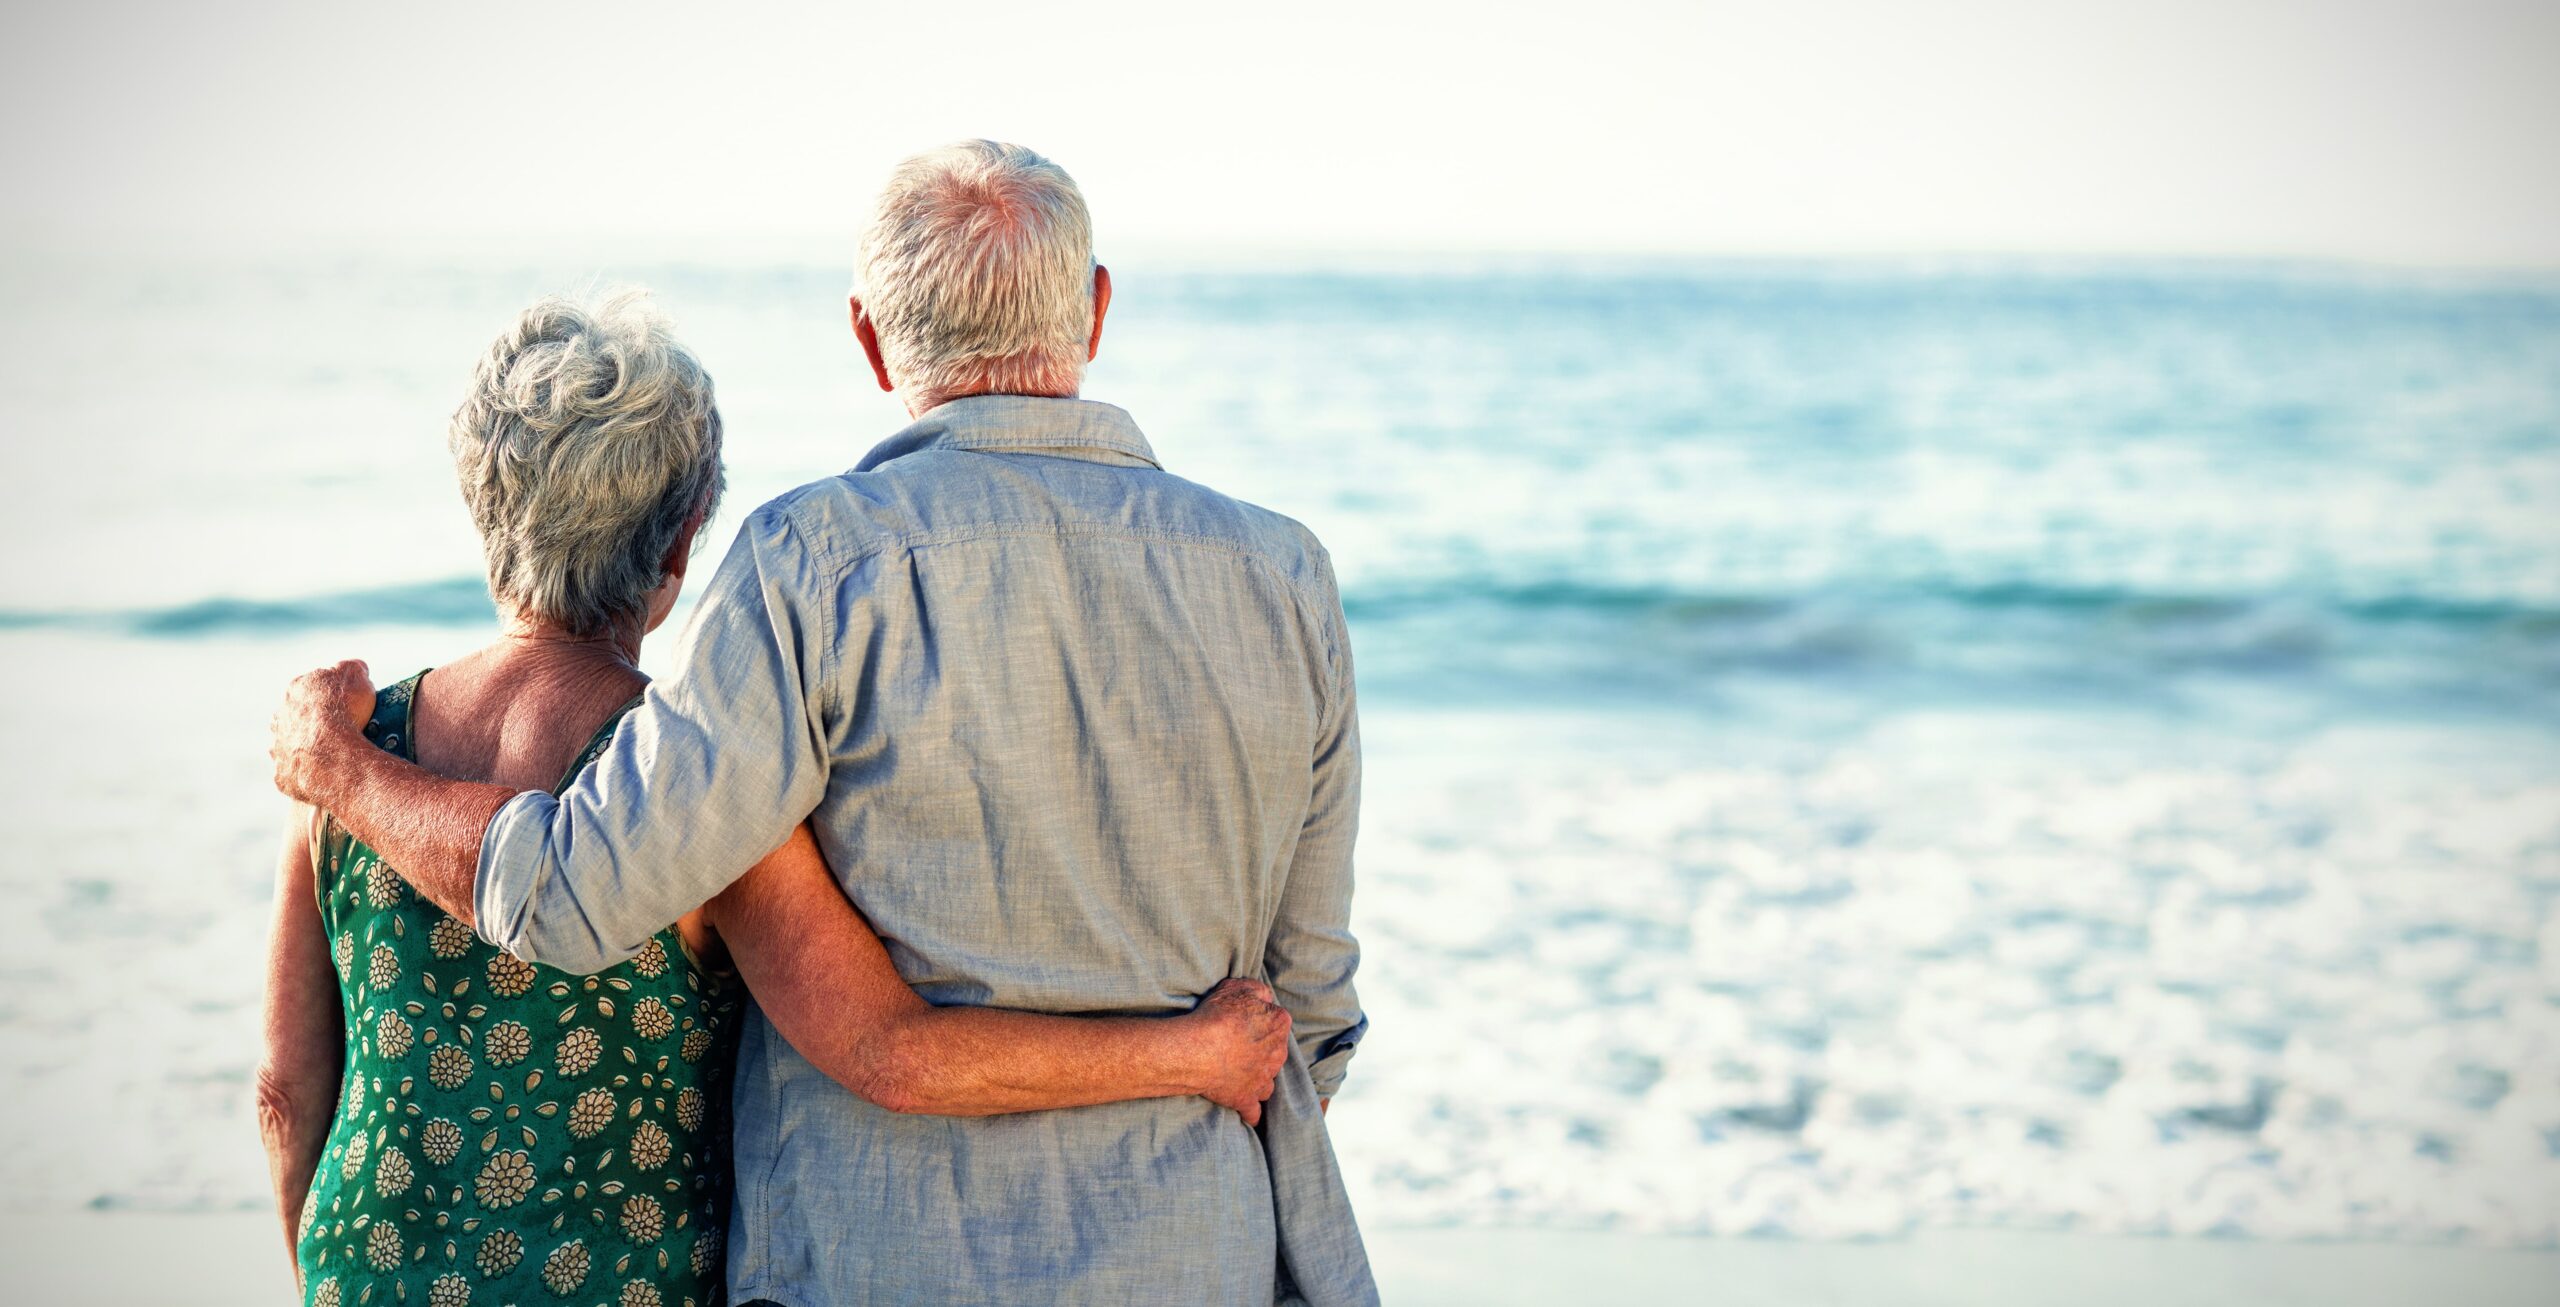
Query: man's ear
point(1101, 305)
point(870, 337)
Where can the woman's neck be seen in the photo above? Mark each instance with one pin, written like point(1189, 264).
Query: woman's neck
point(517, 711)
point(539, 661)
point(540, 645)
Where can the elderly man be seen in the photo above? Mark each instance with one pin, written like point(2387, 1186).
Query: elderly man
point(1076, 734)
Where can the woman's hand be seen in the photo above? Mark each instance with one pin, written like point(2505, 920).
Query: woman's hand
point(1242, 1039)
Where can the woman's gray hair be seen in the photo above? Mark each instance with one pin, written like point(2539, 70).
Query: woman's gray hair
point(587, 443)
point(977, 272)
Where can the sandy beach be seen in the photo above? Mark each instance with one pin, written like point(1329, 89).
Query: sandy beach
point(94, 1259)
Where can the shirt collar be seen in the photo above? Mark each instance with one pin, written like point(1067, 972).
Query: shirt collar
point(1020, 424)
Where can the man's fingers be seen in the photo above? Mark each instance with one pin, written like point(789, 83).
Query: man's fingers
point(316, 705)
point(354, 683)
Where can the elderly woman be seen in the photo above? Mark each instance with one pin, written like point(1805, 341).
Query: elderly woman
point(447, 1124)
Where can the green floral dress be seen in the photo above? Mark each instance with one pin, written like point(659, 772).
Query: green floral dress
point(509, 1133)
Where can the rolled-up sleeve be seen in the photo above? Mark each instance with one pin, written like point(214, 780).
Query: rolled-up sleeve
point(703, 779)
point(1312, 955)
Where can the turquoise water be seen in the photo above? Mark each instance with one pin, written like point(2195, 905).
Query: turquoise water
point(1855, 747)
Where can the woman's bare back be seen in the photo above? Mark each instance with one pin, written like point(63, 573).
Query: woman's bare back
point(517, 712)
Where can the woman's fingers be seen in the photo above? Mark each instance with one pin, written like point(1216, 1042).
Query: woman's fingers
point(1275, 1037)
point(1237, 989)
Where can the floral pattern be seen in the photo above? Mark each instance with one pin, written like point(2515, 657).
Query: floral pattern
point(450, 938)
point(499, 1253)
point(392, 1036)
point(382, 1246)
point(566, 1268)
point(642, 1219)
point(509, 975)
point(441, 1141)
point(448, 1066)
point(382, 887)
point(391, 1174)
point(507, 1043)
point(592, 1112)
point(651, 1018)
point(504, 1180)
point(650, 1146)
point(501, 1121)
point(579, 1050)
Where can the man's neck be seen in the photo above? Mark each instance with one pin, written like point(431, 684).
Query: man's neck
point(922, 402)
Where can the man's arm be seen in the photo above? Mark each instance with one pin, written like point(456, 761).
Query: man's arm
point(1311, 956)
point(702, 780)
point(821, 974)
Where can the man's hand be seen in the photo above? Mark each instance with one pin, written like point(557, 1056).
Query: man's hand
point(1242, 1038)
point(323, 711)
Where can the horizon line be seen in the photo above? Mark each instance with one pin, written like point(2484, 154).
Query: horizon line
point(801, 249)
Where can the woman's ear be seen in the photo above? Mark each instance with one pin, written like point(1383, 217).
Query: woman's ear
point(671, 569)
point(680, 553)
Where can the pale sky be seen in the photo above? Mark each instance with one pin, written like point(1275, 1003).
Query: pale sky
point(2376, 130)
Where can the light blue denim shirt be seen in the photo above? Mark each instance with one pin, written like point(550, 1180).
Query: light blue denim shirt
point(1078, 736)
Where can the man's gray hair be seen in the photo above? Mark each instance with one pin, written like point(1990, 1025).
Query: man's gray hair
point(587, 443)
point(977, 272)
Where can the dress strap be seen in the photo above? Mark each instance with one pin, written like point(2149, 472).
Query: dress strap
point(394, 706)
point(597, 743)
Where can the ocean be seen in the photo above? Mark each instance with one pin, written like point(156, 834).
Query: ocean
point(1853, 747)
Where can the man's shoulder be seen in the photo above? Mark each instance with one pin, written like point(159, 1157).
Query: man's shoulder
point(836, 517)
point(1273, 537)
point(855, 513)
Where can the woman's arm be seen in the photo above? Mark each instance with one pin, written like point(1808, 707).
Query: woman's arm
point(305, 1034)
point(823, 977)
